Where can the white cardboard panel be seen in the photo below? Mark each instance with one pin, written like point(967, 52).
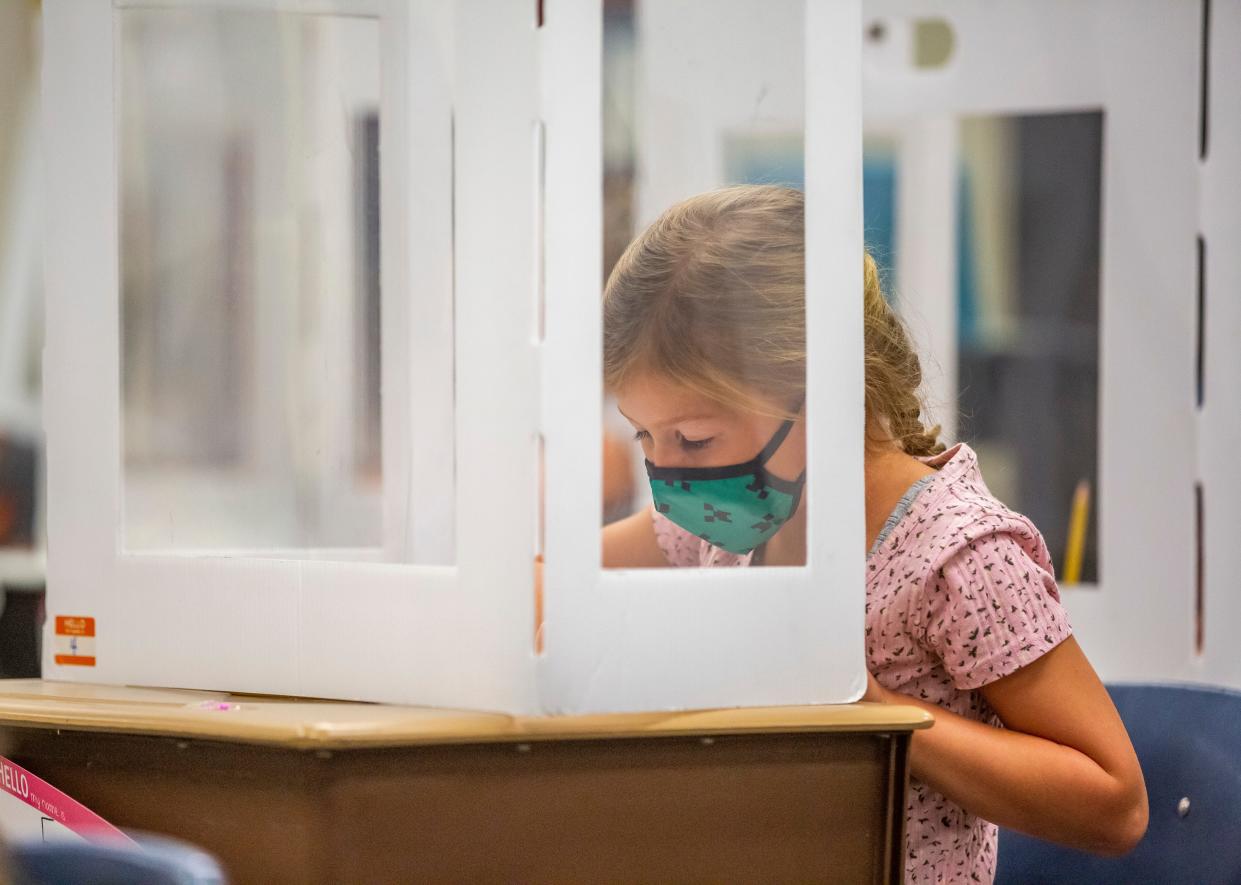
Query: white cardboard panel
point(497, 368)
point(669, 638)
point(80, 239)
point(414, 634)
point(220, 623)
point(1055, 55)
point(403, 640)
point(428, 246)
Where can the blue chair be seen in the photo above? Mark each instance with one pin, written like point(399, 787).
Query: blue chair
point(158, 861)
point(1188, 739)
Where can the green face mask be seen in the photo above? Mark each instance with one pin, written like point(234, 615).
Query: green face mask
point(736, 508)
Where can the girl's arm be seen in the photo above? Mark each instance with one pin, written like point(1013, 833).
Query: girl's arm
point(630, 543)
point(1062, 769)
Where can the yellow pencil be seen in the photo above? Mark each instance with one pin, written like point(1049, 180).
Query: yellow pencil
point(1076, 546)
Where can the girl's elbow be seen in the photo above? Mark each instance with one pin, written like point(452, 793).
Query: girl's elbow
point(1128, 826)
point(1135, 825)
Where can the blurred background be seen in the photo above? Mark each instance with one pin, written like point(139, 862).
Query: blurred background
point(21, 342)
point(249, 225)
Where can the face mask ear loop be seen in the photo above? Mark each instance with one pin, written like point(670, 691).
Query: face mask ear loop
point(778, 440)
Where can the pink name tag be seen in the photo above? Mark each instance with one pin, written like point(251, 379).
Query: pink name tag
point(31, 809)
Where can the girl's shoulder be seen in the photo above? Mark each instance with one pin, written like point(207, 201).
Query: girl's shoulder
point(954, 515)
point(979, 588)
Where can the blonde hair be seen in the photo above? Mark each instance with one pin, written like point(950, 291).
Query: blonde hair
point(712, 294)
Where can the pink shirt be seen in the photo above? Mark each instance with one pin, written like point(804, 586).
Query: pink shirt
point(960, 591)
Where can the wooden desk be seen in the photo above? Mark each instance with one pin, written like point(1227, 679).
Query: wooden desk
point(295, 791)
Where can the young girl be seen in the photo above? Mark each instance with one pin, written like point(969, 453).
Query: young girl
point(704, 350)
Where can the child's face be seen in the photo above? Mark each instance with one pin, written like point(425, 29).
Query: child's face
point(680, 428)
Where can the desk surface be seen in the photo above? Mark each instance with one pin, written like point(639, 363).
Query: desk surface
point(310, 724)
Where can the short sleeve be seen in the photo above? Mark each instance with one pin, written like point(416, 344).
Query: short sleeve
point(991, 609)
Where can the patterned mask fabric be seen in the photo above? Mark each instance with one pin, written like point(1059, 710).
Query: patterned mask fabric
point(735, 508)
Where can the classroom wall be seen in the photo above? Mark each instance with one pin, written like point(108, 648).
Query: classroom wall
point(21, 315)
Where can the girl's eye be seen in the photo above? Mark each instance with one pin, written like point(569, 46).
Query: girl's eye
point(695, 444)
point(641, 435)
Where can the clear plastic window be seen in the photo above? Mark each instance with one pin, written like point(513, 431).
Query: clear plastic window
point(249, 277)
point(704, 323)
point(1027, 311)
point(1028, 364)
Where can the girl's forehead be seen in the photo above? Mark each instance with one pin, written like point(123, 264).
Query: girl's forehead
point(652, 401)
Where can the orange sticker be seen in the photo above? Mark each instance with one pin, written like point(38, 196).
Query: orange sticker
point(75, 660)
point(75, 641)
point(68, 626)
